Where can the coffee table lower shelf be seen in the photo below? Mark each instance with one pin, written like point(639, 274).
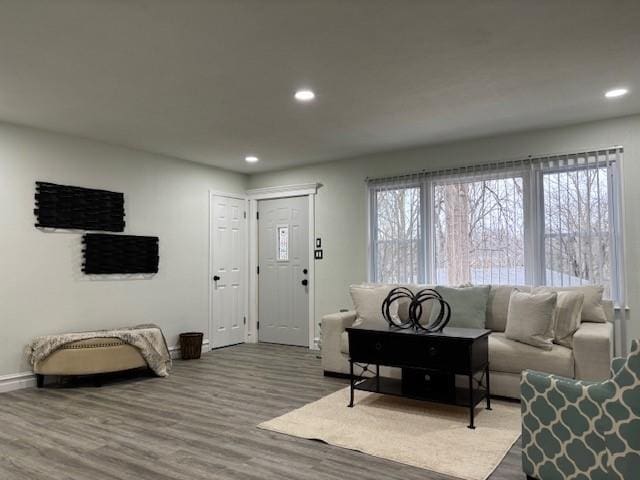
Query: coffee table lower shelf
point(393, 386)
point(458, 396)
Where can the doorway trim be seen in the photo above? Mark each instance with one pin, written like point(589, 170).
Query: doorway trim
point(238, 196)
point(286, 191)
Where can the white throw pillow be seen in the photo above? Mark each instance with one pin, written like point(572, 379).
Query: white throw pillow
point(567, 317)
point(403, 306)
point(530, 318)
point(367, 300)
point(498, 305)
point(592, 309)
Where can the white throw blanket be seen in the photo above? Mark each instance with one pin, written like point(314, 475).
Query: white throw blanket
point(148, 339)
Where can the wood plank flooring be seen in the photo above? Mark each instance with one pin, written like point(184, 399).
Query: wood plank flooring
point(200, 423)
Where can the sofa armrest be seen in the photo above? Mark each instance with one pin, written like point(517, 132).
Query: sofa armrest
point(334, 324)
point(593, 351)
point(332, 328)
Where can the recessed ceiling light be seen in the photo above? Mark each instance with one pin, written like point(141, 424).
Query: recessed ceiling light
point(251, 159)
point(616, 92)
point(305, 95)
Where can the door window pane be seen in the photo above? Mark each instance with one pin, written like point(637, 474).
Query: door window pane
point(283, 243)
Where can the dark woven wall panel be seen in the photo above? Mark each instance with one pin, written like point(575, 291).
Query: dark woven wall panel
point(63, 206)
point(106, 254)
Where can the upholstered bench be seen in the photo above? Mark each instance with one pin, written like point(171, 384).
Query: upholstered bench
point(90, 357)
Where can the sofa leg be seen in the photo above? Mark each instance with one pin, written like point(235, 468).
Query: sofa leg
point(39, 380)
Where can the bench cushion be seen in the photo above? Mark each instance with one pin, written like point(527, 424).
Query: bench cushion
point(95, 355)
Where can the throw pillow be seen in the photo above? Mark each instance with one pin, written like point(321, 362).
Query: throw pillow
point(530, 318)
point(498, 305)
point(367, 300)
point(592, 309)
point(468, 305)
point(567, 317)
point(403, 307)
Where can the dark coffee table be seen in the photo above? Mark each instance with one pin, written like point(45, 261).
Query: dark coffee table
point(429, 363)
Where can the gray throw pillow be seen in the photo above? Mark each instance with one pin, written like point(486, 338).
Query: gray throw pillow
point(530, 318)
point(468, 305)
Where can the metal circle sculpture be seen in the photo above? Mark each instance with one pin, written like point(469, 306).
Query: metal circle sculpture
point(415, 309)
point(395, 295)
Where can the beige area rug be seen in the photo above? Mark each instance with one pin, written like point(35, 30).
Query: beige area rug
point(421, 434)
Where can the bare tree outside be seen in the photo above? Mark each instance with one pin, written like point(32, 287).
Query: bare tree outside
point(577, 242)
point(398, 235)
point(478, 229)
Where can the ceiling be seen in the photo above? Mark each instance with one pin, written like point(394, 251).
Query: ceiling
point(212, 81)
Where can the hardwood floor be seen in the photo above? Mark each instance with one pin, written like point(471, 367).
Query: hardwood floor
point(200, 423)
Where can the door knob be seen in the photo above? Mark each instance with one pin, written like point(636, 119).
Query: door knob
point(305, 282)
point(216, 278)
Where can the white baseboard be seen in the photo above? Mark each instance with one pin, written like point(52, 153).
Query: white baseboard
point(16, 381)
point(175, 350)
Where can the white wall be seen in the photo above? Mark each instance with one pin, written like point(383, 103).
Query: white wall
point(42, 289)
point(341, 211)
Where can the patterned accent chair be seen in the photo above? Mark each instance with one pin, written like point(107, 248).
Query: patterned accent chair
point(579, 430)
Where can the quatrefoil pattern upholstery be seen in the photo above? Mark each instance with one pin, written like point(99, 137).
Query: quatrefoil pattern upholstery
point(578, 430)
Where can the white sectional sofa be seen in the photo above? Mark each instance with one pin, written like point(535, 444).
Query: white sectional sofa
point(589, 359)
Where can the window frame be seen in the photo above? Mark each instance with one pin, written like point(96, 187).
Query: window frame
point(533, 216)
point(373, 226)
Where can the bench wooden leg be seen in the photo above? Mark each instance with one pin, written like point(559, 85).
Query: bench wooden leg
point(39, 380)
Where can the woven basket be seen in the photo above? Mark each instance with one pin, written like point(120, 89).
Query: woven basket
point(190, 345)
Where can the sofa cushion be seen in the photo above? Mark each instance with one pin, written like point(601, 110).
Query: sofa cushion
point(530, 318)
point(510, 356)
point(498, 305)
point(592, 309)
point(468, 305)
point(367, 300)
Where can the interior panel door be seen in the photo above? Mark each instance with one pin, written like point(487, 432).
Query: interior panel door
point(228, 248)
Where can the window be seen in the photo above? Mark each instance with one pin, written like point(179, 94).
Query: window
point(577, 242)
point(479, 231)
point(397, 241)
point(546, 221)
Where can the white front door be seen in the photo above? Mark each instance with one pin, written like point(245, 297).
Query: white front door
point(227, 282)
point(283, 279)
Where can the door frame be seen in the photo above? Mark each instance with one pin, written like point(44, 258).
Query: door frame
point(245, 276)
point(286, 191)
